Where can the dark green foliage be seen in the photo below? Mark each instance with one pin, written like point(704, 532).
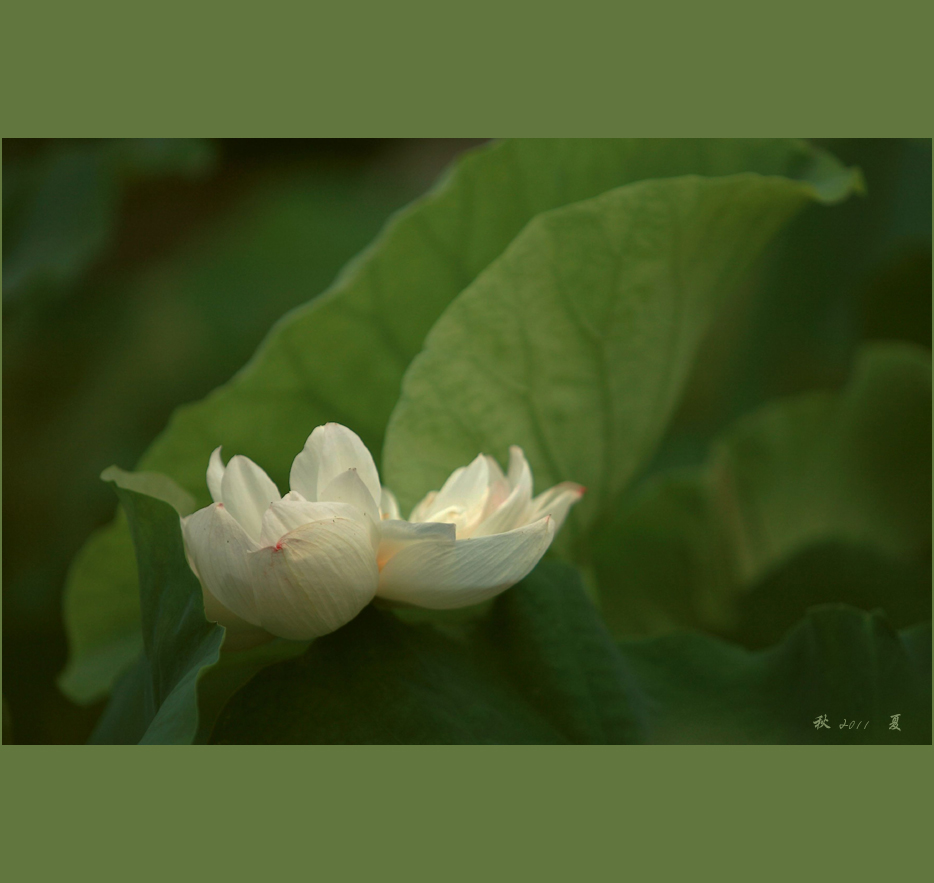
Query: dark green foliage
point(850, 468)
point(379, 681)
point(157, 700)
point(542, 668)
point(839, 662)
point(553, 644)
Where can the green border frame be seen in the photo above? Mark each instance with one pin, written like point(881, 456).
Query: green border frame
point(468, 813)
point(465, 813)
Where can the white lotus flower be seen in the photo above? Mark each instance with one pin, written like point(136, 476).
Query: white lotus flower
point(480, 534)
point(297, 566)
point(303, 565)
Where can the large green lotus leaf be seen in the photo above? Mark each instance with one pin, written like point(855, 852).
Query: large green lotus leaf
point(101, 611)
point(849, 467)
point(342, 356)
point(552, 643)
point(576, 342)
point(543, 668)
point(157, 700)
point(128, 716)
point(108, 611)
point(828, 572)
point(378, 681)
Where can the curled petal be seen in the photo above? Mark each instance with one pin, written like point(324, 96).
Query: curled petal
point(219, 549)
point(216, 475)
point(292, 511)
point(556, 502)
point(518, 465)
point(397, 535)
point(499, 487)
point(466, 488)
point(315, 579)
point(513, 511)
point(247, 492)
point(329, 451)
point(349, 488)
point(389, 505)
point(442, 576)
point(462, 499)
point(421, 510)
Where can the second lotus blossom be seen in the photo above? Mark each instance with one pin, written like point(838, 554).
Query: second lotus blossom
point(478, 535)
point(303, 565)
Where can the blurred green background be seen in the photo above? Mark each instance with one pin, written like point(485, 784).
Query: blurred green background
point(138, 275)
